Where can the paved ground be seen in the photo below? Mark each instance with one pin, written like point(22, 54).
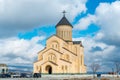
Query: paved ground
point(65, 77)
point(57, 79)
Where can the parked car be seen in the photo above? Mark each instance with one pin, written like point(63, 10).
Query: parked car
point(36, 75)
point(5, 75)
point(23, 75)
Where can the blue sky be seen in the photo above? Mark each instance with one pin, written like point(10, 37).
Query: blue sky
point(25, 26)
point(91, 6)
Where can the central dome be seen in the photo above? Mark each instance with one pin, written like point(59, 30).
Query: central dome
point(64, 21)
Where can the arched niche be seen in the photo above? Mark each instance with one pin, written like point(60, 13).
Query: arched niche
point(52, 57)
point(48, 68)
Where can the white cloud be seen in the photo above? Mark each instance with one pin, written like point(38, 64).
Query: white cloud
point(15, 50)
point(99, 52)
point(99, 36)
point(108, 19)
point(22, 15)
point(85, 22)
point(104, 47)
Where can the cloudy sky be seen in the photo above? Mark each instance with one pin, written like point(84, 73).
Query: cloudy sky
point(26, 24)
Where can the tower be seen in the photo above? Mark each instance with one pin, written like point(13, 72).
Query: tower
point(64, 29)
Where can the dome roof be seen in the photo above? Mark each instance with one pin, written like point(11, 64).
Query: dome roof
point(64, 21)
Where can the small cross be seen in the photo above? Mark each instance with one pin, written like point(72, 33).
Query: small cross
point(64, 12)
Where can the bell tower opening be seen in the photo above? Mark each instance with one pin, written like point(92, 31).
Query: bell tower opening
point(49, 69)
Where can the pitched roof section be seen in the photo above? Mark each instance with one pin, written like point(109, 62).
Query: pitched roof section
point(64, 21)
point(76, 42)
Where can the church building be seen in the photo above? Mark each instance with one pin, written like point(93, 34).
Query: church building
point(61, 54)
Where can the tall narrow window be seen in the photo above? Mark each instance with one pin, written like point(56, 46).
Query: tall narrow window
point(62, 67)
point(67, 57)
point(81, 60)
point(56, 45)
point(66, 67)
point(62, 33)
point(76, 50)
point(67, 34)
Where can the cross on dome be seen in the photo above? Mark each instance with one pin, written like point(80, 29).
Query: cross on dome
point(64, 12)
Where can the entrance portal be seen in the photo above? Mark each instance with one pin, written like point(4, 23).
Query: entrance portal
point(49, 69)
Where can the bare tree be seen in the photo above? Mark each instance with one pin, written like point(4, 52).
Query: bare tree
point(94, 67)
point(117, 67)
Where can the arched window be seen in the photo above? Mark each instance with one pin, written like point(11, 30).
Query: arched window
point(62, 34)
point(65, 67)
point(52, 57)
point(55, 45)
point(40, 69)
point(67, 34)
point(62, 67)
point(66, 57)
point(81, 60)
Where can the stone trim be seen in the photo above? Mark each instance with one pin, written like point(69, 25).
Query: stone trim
point(66, 60)
point(50, 62)
point(69, 51)
point(54, 50)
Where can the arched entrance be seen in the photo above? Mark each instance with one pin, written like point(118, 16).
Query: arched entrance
point(49, 69)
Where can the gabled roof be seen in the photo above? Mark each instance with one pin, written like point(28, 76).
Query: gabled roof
point(3, 65)
point(76, 42)
point(57, 37)
point(64, 21)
